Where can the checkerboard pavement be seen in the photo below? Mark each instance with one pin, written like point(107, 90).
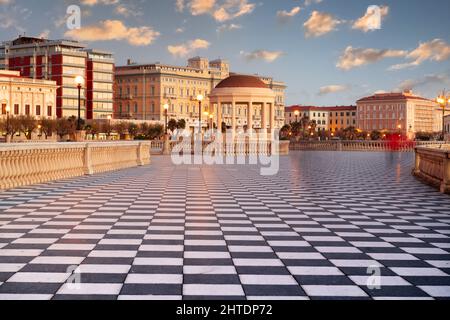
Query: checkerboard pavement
point(317, 230)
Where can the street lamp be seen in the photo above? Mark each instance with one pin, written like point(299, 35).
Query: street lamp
point(443, 101)
point(79, 81)
point(211, 117)
point(166, 114)
point(200, 99)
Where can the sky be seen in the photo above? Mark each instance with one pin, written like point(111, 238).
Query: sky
point(328, 52)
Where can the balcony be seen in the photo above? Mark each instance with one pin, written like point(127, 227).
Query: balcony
point(124, 97)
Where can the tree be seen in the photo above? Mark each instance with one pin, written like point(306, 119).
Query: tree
point(28, 125)
point(172, 125)
point(375, 135)
point(93, 128)
point(10, 127)
point(181, 124)
point(65, 127)
point(121, 128)
point(133, 130)
point(48, 127)
point(285, 131)
point(107, 128)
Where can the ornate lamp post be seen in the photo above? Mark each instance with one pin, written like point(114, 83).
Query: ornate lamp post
point(79, 81)
point(443, 101)
point(200, 99)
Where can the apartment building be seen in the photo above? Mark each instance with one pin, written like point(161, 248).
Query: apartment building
point(399, 112)
point(25, 96)
point(142, 90)
point(319, 115)
point(62, 61)
point(342, 117)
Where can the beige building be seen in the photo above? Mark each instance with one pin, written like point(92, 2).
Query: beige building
point(26, 96)
point(399, 112)
point(142, 90)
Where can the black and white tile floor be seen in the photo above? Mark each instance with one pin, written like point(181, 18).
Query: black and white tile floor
point(317, 230)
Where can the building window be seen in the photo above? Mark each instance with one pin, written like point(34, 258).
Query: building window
point(16, 109)
point(49, 111)
point(3, 108)
point(27, 109)
point(38, 110)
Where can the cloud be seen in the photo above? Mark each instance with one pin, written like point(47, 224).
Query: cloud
point(228, 27)
point(127, 11)
point(180, 30)
point(285, 16)
point(44, 34)
point(185, 49)
point(320, 23)
point(424, 82)
point(221, 11)
point(332, 89)
point(92, 3)
point(6, 1)
point(357, 57)
point(268, 56)
point(366, 23)
point(435, 50)
point(109, 30)
point(310, 2)
point(179, 4)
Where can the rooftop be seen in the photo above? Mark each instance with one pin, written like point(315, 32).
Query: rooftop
point(242, 81)
point(402, 96)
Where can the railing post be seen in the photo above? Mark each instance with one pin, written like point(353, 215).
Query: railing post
point(417, 163)
point(445, 174)
point(88, 159)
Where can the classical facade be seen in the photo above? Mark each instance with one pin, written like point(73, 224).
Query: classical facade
point(399, 112)
point(242, 101)
point(142, 90)
point(25, 96)
point(62, 61)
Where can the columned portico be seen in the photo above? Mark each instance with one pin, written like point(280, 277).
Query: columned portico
point(246, 93)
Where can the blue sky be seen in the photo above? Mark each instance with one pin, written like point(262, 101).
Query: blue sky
point(320, 48)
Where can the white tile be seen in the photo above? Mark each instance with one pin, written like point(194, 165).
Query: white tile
point(39, 277)
point(72, 247)
point(104, 268)
point(58, 260)
point(24, 297)
point(437, 291)
point(90, 289)
point(112, 254)
point(384, 281)
point(392, 256)
point(164, 248)
point(11, 267)
point(158, 262)
point(424, 250)
point(422, 272)
point(258, 262)
point(19, 253)
point(267, 280)
point(338, 250)
point(315, 271)
point(334, 291)
point(206, 255)
point(355, 263)
point(149, 298)
point(249, 249)
point(212, 290)
point(155, 278)
point(209, 270)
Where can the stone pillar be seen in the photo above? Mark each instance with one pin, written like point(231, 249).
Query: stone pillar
point(87, 159)
point(272, 117)
point(219, 115)
point(250, 116)
point(233, 117)
point(264, 117)
point(417, 163)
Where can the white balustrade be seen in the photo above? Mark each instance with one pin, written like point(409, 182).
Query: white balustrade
point(26, 164)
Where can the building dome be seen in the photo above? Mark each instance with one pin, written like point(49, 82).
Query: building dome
point(242, 81)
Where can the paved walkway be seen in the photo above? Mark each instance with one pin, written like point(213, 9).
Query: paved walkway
point(316, 230)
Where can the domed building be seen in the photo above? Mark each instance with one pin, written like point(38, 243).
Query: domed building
point(242, 101)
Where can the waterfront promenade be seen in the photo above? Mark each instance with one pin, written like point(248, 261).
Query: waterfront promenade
point(317, 230)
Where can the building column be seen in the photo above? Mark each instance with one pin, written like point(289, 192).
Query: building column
point(250, 116)
point(264, 117)
point(219, 115)
point(233, 117)
point(272, 117)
